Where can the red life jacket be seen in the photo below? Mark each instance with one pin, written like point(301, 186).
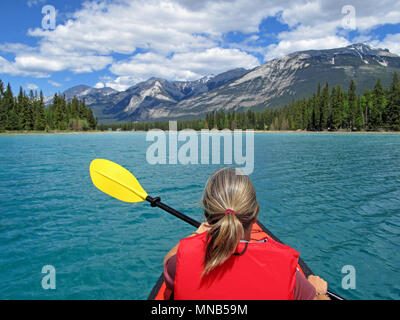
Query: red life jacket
point(265, 271)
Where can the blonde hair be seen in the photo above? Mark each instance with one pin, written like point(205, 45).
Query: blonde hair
point(227, 190)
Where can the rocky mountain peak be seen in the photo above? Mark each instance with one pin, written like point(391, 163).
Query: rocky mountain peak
point(272, 85)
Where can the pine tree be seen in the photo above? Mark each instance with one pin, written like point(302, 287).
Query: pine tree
point(307, 114)
point(337, 108)
point(8, 104)
point(211, 123)
point(392, 110)
point(3, 113)
point(20, 107)
point(60, 117)
point(358, 115)
point(324, 105)
point(82, 111)
point(378, 105)
point(364, 109)
point(29, 118)
point(91, 119)
point(75, 108)
point(352, 105)
point(40, 114)
point(329, 123)
point(317, 111)
point(13, 120)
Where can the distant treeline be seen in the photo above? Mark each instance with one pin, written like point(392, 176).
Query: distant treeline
point(327, 109)
point(146, 126)
point(27, 112)
point(335, 109)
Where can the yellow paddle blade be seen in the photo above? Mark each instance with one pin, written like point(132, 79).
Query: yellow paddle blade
point(116, 181)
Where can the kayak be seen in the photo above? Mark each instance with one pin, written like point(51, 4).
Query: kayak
point(259, 231)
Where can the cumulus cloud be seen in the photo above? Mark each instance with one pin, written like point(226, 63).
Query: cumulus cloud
point(121, 83)
point(391, 41)
point(46, 63)
point(8, 67)
point(321, 24)
point(86, 41)
point(183, 66)
point(288, 46)
point(41, 63)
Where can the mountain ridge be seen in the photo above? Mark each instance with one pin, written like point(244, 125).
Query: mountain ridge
point(272, 84)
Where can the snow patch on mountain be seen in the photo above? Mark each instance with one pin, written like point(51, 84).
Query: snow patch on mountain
point(383, 63)
point(156, 92)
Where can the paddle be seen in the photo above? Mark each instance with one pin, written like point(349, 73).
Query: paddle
point(119, 183)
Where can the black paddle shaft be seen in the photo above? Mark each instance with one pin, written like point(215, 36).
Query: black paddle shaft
point(156, 202)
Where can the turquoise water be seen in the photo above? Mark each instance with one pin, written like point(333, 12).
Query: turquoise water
point(334, 198)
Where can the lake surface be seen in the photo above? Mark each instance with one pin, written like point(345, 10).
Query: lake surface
point(334, 198)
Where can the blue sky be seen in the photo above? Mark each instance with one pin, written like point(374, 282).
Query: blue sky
point(122, 42)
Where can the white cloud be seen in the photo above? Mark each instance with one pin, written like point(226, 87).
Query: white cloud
point(32, 3)
point(183, 37)
point(318, 24)
point(182, 66)
point(15, 47)
point(42, 62)
point(391, 41)
point(54, 83)
point(99, 85)
point(85, 42)
point(7, 67)
point(121, 83)
point(107, 28)
point(290, 45)
point(32, 86)
point(368, 14)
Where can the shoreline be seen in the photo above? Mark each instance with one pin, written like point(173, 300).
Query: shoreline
point(23, 133)
point(328, 132)
point(17, 133)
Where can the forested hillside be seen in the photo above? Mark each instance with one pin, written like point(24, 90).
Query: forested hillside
point(327, 109)
point(27, 112)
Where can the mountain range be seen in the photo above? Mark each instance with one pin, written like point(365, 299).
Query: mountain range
point(272, 85)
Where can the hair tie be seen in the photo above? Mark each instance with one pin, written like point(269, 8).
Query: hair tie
point(228, 211)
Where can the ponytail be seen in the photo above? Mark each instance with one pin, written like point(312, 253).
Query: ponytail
point(222, 240)
point(230, 207)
